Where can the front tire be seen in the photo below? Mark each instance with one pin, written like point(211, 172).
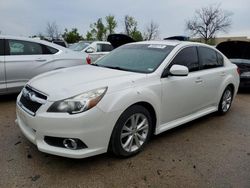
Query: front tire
point(226, 100)
point(131, 132)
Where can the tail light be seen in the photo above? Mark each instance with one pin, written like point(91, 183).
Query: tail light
point(238, 70)
point(88, 60)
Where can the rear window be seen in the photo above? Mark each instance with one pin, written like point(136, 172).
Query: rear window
point(209, 58)
point(1, 47)
point(49, 50)
point(220, 59)
point(61, 43)
point(143, 58)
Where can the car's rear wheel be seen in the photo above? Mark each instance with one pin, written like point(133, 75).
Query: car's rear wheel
point(226, 100)
point(131, 132)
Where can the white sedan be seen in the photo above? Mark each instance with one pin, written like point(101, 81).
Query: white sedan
point(115, 105)
point(94, 49)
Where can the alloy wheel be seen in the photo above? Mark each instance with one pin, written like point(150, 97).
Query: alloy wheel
point(134, 132)
point(226, 100)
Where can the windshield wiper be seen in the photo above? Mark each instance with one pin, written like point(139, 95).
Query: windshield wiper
point(117, 68)
point(95, 65)
point(111, 67)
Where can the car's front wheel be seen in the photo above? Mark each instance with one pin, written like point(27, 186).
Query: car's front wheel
point(131, 132)
point(226, 100)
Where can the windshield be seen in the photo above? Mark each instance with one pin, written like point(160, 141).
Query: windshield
point(80, 46)
point(144, 58)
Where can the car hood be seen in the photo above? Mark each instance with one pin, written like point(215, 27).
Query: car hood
point(68, 82)
point(235, 49)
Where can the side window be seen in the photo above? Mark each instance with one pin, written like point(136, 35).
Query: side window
point(19, 47)
point(1, 47)
point(107, 48)
point(49, 50)
point(99, 48)
point(104, 48)
point(208, 58)
point(220, 60)
point(187, 57)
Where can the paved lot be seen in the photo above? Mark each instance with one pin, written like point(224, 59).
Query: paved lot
point(213, 151)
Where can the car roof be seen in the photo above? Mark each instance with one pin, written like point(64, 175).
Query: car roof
point(32, 40)
point(90, 42)
point(170, 43)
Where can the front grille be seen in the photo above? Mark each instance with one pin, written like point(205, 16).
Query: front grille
point(31, 99)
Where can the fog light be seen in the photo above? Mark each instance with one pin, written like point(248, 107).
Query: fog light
point(70, 143)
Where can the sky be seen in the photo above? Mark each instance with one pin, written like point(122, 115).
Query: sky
point(30, 17)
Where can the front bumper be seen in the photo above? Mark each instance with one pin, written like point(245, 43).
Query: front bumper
point(93, 127)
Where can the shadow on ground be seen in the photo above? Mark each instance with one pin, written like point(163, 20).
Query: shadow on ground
point(8, 98)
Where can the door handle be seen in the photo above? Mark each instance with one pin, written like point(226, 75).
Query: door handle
point(40, 60)
point(223, 74)
point(198, 80)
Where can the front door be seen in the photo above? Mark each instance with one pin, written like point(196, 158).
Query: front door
point(182, 95)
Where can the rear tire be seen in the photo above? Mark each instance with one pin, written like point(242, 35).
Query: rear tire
point(225, 101)
point(131, 132)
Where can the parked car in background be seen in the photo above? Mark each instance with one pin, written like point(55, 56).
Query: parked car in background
point(238, 53)
point(117, 40)
point(117, 103)
point(180, 38)
point(23, 58)
point(60, 42)
point(95, 49)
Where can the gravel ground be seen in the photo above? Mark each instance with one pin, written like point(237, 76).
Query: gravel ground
point(213, 151)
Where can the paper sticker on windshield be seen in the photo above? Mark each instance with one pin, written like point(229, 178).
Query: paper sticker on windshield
point(159, 46)
point(150, 69)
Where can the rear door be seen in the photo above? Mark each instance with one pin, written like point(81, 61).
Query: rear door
point(2, 67)
point(24, 60)
point(213, 73)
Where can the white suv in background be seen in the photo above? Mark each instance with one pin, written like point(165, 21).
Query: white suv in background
point(95, 49)
point(23, 58)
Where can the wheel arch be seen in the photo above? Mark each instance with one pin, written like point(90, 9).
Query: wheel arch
point(232, 87)
point(151, 111)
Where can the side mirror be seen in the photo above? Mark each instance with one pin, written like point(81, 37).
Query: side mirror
point(89, 50)
point(178, 70)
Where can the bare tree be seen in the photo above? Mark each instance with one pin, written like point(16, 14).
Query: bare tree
point(52, 30)
point(208, 21)
point(151, 32)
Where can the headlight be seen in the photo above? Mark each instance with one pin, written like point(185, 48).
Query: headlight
point(79, 103)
